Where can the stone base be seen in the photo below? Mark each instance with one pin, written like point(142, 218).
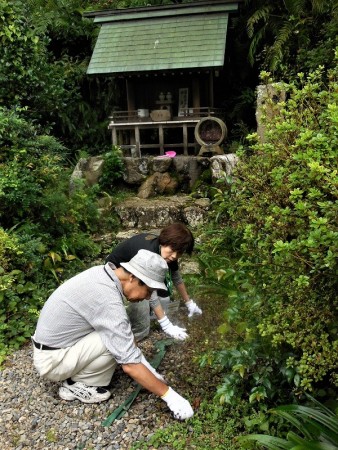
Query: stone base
point(156, 213)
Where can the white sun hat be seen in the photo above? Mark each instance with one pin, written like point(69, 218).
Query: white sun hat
point(148, 267)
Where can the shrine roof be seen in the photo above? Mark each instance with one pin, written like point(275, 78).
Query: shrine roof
point(181, 36)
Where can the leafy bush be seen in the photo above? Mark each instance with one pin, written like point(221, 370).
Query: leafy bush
point(282, 202)
point(34, 182)
point(20, 297)
point(45, 230)
point(112, 170)
point(317, 428)
point(44, 51)
point(252, 368)
point(27, 79)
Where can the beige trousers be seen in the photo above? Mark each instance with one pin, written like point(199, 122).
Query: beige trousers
point(139, 316)
point(87, 361)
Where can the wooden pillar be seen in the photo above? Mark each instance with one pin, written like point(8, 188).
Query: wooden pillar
point(130, 95)
point(137, 140)
point(161, 139)
point(114, 136)
point(131, 107)
point(185, 139)
point(196, 96)
point(211, 89)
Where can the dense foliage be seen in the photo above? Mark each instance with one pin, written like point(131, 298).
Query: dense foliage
point(316, 428)
point(291, 36)
point(45, 230)
point(44, 53)
point(112, 171)
point(282, 208)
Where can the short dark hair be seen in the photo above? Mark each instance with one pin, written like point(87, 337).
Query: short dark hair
point(178, 237)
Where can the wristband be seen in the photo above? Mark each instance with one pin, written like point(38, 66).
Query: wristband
point(164, 321)
point(164, 395)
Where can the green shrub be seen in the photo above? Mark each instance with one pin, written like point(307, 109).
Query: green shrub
point(282, 202)
point(45, 230)
point(251, 367)
point(316, 426)
point(20, 297)
point(112, 170)
point(34, 182)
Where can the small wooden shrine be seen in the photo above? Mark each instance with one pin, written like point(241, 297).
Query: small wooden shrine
point(165, 61)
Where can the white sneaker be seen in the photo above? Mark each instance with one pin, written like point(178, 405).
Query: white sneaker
point(82, 392)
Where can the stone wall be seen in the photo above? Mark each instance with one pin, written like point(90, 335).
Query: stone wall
point(162, 187)
point(153, 176)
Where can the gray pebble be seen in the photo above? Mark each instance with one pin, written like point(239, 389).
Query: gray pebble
point(33, 416)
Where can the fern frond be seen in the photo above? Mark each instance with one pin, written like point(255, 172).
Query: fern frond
point(277, 50)
point(321, 6)
point(261, 14)
point(254, 44)
point(335, 7)
point(273, 443)
point(296, 7)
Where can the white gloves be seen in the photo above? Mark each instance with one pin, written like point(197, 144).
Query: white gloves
point(173, 330)
point(193, 308)
point(178, 405)
point(152, 370)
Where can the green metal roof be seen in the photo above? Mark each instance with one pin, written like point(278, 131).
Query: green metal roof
point(189, 38)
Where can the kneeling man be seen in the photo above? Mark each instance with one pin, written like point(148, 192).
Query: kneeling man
point(83, 332)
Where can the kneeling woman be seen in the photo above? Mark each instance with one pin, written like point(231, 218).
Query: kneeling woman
point(172, 242)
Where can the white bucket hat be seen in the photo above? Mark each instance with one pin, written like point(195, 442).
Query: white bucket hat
point(148, 267)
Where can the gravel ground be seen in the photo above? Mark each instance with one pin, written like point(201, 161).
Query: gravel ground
point(34, 417)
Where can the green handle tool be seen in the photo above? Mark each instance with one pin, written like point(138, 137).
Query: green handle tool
point(120, 411)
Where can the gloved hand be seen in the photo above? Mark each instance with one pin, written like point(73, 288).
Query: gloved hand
point(152, 370)
point(180, 407)
point(193, 308)
point(173, 330)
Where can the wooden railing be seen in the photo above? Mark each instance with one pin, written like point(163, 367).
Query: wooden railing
point(194, 113)
point(126, 116)
point(204, 111)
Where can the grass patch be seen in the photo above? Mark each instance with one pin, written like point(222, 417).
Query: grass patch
point(213, 427)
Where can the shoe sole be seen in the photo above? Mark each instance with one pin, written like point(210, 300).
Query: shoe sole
point(65, 394)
